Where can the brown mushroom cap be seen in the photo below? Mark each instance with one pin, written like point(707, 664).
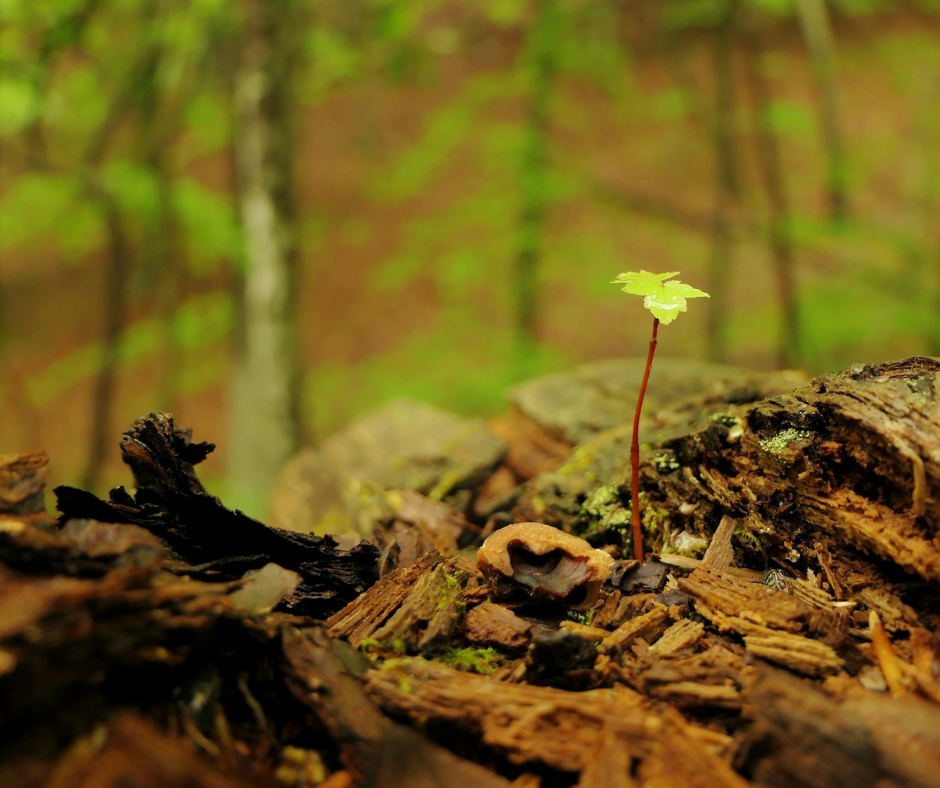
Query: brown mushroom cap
point(546, 562)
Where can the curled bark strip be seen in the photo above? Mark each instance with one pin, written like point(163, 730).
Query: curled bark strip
point(172, 504)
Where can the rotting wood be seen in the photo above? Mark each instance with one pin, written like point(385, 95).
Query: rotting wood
point(678, 760)
point(680, 636)
point(609, 766)
point(854, 455)
point(431, 612)
point(820, 741)
point(527, 724)
point(720, 553)
point(647, 626)
point(488, 624)
point(361, 617)
point(377, 751)
point(93, 614)
point(171, 503)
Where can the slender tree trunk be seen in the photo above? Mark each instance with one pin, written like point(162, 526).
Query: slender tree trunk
point(727, 183)
point(168, 251)
point(164, 265)
point(779, 233)
point(115, 308)
point(266, 402)
point(817, 32)
point(533, 181)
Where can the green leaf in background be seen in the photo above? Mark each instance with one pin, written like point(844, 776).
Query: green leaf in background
point(861, 7)
point(209, 224)
point(18, 105)
point(134, 186)
point(775, 7)
point(504, 13)
point(207, 121)
point(664, 299)
point(39, 209)
point(789, 117)
point(199, 322)
point(692, 13)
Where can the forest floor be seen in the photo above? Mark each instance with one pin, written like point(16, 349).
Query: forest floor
point(782, 631)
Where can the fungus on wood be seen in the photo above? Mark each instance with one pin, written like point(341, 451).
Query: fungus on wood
point(537, 560)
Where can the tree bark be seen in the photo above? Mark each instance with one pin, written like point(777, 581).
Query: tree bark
point(265, 408)
point(115, 307)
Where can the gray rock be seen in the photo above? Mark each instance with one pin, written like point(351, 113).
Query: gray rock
point(339, 487)
point(578, 404)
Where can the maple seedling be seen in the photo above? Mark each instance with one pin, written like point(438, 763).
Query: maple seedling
point(665, 299)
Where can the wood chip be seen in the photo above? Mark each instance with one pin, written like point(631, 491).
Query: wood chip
point(489, 624)
point(719, 552)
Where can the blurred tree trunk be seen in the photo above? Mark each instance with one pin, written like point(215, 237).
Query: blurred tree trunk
point(171, 268)
point(540, 68)
point(115, 308)
point(779, 232)
point(164, 264)
point(727, 183)
point(265, 406)
point(817, 32)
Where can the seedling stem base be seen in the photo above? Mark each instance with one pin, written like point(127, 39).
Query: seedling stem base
point(635, 452)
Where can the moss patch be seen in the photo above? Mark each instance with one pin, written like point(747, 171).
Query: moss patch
point(779, 442)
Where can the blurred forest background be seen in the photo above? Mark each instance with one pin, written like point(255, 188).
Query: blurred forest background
point(268, 216)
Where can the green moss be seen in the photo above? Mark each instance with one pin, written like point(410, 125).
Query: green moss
point(450, 591)
point(666, 462)
point(475, 660)
point(378, 652)
point(583, 618)
point(656, 521)
point(750, 540)
point(580, 460)
point(779, 442)
point(603, 511)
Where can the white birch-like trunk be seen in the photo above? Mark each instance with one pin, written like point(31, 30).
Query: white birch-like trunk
point(264, 405)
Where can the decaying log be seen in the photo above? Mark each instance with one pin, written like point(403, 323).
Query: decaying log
point(137, 642)
point(773, 628)
point(492, 625)
point(527, 724)
point(677, 759)
point(171, 503)
point(855, 455)
point(127, 750)
point(816, 740)
point(377, 751)
point(609, 765)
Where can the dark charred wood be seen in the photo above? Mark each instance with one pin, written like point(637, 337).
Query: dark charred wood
point(171, 503)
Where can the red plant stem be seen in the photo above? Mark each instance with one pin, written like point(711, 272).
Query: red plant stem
point(635, 452)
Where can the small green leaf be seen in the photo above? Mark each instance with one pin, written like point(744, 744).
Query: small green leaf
point(664, 299)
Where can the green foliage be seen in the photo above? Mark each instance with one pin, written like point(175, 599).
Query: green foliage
point(19, 105)
point(458, 362)
point(200, 322)
point(40, 211)
point(789, 117)
point(209, 223)
point(665, 299)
